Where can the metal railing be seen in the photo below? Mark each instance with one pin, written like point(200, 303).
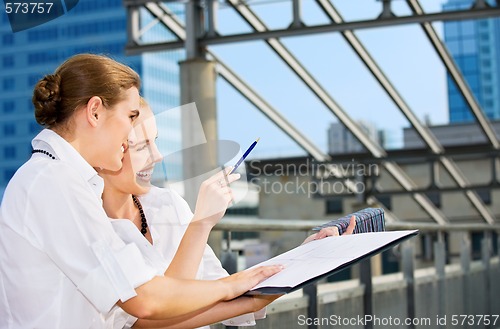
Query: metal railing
point(473, 294)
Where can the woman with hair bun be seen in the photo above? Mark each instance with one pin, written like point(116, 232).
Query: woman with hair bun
point(62, 264)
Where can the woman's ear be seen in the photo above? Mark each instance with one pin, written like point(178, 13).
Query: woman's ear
point(93, 110)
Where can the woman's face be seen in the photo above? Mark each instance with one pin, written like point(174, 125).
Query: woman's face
point(142, 149)
point(139, 158)
point(111, 139)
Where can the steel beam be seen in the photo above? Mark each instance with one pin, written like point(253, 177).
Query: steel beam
point(168, 19)
point(132, 26)
point(355, 25)
point(306, 30)
point(252, 96)
point(251, 18)
point(430, 140)
point(373, 147)
point(377, 72)
point(164, 15)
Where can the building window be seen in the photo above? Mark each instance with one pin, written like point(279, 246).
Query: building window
point(35, 127)
point(469, 46)
point(485, 49)
point(8, 61)
point(485, 196)
point(8, 39)
point(334, 206)
point(41, 35)
point(9, 152)
point(386, 201)
point(468, 29)
point(435, 198)
point(9, 129)
point(8, 106)
point(33, 79)
point(483, 23)
point(8, 84)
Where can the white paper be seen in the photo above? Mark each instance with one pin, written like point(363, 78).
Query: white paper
point(321, 256)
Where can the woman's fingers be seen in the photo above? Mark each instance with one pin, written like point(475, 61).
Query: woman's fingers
point(241, 282)
point(328, 231)
point(352, 226)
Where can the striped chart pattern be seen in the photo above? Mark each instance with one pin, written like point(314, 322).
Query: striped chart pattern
point(367, 220)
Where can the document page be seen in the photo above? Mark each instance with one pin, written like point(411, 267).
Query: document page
point(319, 257)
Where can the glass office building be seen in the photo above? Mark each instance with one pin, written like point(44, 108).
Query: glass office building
point(475, 47)
point(97, 26)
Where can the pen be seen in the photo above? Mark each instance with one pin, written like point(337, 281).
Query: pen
point(244, 155)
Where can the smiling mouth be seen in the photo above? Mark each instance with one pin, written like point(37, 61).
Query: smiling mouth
point(145, 174)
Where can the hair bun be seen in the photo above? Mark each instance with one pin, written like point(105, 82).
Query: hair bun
point(46, 99)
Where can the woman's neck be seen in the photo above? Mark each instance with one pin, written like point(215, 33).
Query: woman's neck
point(118, 204)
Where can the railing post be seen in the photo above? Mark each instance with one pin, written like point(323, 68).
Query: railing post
point(486, 254)
point(465, 259)
point(311, 291)
point(229, 262)
point(365, 277)
point(498, 244)
point(440, 263)
point(409, 277)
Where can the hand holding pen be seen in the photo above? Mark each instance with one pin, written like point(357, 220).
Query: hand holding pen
point(247, 152)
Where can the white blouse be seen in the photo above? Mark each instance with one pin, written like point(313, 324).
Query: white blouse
point(168, 216)
point(61, 263)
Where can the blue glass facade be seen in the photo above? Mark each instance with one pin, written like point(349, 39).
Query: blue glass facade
point(475, 47)
point(97, 26)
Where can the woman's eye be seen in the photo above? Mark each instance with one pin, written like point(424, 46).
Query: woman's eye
point(143, 145)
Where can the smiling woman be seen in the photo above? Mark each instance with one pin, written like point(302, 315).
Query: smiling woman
point(69, 266)
point(163, 218)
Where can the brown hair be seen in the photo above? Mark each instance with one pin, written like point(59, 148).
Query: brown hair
point(56, 96)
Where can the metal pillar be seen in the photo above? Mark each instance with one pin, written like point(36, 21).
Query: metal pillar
point(465, 259)
point(486, 247)
point(408, 263)
point(440, 264)
point(198, 80)
point(198, 86)
point(365, 277)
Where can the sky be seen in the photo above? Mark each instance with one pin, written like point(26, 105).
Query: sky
point(403, 53)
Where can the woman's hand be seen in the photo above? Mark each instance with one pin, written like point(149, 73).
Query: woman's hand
point(331, 231)
point(239, 283)
point(214, 197)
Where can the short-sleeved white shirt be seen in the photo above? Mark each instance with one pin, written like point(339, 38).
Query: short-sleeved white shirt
point(168, 216)
point(61, 263)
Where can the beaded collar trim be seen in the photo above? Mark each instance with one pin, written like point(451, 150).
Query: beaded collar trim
point(43, 152)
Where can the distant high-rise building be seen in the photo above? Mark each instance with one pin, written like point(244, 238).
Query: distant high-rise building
point(475, 47)
point(96, 26)
point(341, 140)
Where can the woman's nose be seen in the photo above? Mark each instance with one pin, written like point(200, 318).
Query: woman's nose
point(155, 153)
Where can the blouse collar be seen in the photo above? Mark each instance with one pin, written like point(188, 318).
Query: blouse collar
point(53, 143)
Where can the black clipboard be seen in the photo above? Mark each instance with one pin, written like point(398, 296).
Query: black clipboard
point(278, 290)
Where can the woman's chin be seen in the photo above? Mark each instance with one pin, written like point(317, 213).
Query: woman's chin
point(143, 184)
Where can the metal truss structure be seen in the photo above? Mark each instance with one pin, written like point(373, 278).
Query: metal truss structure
point(200, 32)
